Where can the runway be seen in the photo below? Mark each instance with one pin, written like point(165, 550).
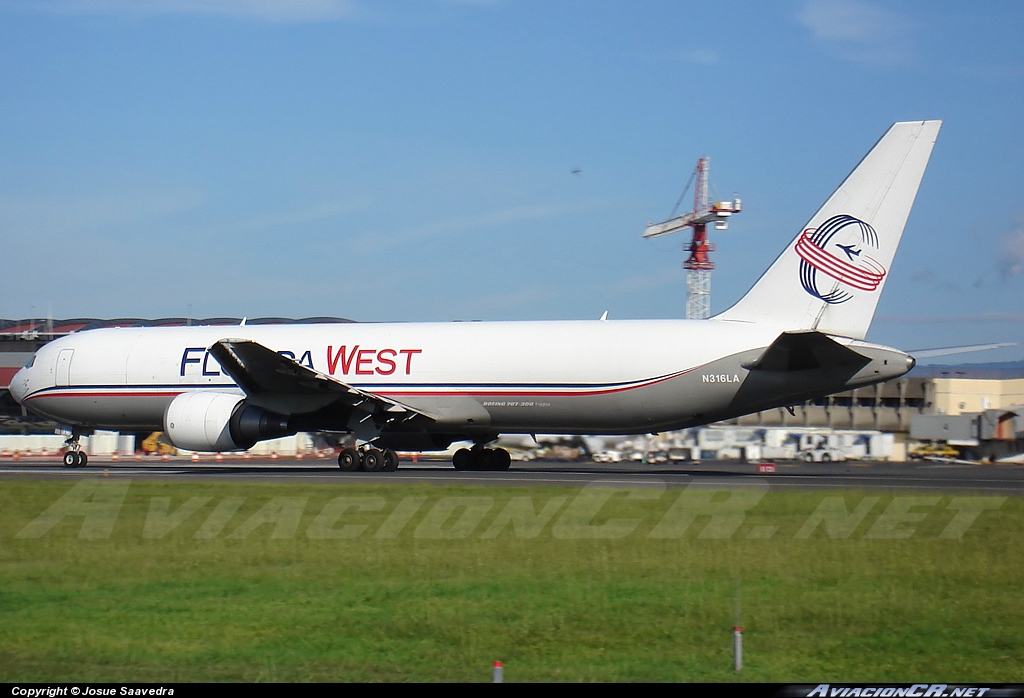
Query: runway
point(894, 477)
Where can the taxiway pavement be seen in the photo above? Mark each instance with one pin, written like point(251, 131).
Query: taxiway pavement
point(894, 477)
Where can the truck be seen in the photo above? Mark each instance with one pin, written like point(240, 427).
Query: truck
point(821, 455)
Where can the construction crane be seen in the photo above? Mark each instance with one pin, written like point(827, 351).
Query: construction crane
point(699, 265)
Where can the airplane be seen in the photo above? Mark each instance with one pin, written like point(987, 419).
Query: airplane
point(850, 252)
point(796, 335)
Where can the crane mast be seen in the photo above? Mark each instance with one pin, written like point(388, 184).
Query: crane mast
point(698, 265)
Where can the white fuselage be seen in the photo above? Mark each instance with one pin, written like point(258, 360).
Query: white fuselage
point(543, 377)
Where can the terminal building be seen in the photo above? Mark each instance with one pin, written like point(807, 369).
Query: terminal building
point(890, 406)
point(979, 408)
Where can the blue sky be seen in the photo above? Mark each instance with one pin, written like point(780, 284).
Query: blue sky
point(413, 160)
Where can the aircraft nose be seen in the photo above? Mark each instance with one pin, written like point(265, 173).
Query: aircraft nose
point(911, 362)
point(19, 385)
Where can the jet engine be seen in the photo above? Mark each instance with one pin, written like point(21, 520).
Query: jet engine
point(209, 421)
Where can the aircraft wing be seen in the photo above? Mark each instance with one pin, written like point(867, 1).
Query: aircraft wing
point(283, 385)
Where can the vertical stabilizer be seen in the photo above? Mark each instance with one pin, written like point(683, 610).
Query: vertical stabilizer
point(831, 276)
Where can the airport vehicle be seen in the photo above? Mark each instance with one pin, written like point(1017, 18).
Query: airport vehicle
point(797, 334)
point(157, 443)
point(822, 455)
point(933, 451)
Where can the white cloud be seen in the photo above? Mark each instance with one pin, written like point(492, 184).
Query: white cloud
point(952, 320)
point(380, 240)
point(61, 216)
point(498, 303)
point(859, 31)
point(640, 283)
point(990, 72)
point(935, 279)
point(262, 10)
point(1012, 252)
point(294, 220)
point(845, 20)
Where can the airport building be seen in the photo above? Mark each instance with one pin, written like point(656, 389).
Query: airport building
point(978, 409)
point(890, 406)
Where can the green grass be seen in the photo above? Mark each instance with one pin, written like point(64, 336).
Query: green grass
point(557, 606)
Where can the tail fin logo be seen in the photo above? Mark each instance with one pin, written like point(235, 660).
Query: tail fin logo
point(837, 250)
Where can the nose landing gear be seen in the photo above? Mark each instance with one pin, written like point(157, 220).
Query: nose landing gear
point(74, 456)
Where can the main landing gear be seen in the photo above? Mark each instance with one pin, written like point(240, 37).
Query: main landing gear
point(74, 456)
point(479, 458)
point(370, 460)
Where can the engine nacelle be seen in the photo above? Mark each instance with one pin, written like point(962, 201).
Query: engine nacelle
point(210, 421)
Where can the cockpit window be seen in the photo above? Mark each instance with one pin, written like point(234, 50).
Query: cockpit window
point(31, 361)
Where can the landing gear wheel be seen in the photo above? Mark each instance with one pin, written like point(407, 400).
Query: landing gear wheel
point(490, 459)
point(348, 460)
point(373, 460)
point(390, 460)
point(463, 460)
point(499, 460)
point(479, 459)
point(485, 460)
point(74, 456)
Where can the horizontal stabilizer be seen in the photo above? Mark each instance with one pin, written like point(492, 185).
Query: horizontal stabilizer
point(950, 351)
point(804, 351)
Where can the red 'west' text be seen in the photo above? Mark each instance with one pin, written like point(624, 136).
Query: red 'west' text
point(368, 362)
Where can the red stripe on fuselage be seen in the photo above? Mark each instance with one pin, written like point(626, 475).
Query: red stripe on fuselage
point(526, 393)
point(405, 392)
point(114, 393)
